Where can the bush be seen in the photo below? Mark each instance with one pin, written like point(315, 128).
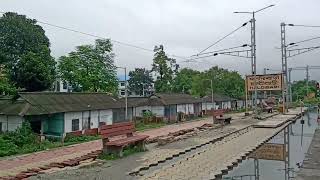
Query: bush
point(23, 140)
point(7, 147)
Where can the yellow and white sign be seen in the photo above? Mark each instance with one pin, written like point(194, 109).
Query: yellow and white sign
point(269, 151)
point(269, 82)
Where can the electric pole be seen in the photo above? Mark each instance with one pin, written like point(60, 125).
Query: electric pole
point(284, 66)
point(253, 53)
point(307, 79)
point(290, 85)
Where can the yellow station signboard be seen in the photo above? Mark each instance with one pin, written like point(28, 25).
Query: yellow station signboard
point(268, 82)
point(269, 151)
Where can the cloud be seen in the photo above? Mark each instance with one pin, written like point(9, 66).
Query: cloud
point(184, 27)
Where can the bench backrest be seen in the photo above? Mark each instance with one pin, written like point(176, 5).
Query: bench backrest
point(126, 128)
point(217, 112)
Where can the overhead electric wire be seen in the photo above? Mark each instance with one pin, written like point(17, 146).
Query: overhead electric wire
point(306, 40)
point(235, 47)
point(312, 47)
point(301, 25)
point(100, 37)
point(224, 37)
point(215, 54)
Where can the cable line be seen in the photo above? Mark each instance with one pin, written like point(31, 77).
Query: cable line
point(304, 40)
point(100, 37)
point(235, 47)
point(244, 24)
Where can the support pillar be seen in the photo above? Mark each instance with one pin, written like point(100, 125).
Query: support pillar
point(256, 169)
point(286, 152)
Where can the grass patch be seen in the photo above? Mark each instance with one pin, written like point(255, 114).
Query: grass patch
point(69, 140)
point(140, 126)
point(126, 152)
point(23, 140)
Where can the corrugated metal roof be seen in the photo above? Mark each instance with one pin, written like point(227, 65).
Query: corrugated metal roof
point(37, 103)
point(172, 98)
point(217, 98)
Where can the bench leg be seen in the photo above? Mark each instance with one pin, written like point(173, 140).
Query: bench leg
point(141, 145)
point(118, 150)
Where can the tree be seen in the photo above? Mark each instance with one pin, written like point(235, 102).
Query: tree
point(22, 40)
point(90, 67)
point(300, 89)
point(6, 88)
point(140, 79)
point(33, 73)
point(225, 82)
point(183, 81)
point(165, 68)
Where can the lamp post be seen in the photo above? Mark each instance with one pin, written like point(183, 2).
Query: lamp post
point(126, 91)
point(253, 49)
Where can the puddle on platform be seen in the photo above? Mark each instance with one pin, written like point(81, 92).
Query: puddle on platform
point(274, 170)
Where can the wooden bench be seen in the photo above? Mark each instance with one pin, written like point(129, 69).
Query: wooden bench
point(219, 118)
point(125, 130)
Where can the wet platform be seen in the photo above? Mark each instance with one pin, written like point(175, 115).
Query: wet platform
point(311, 164)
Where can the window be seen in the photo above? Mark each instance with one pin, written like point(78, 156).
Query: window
point(123, 92)
point(65, 85)
point(122, 84)
point(75, 124)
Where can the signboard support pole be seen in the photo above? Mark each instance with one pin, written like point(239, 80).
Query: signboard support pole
point(246, 89)
point(256, 169)
point(286, 153)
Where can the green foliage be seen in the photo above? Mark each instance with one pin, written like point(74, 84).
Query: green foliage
point(148, 114)
point(311, 101)
point(184, 79)
point(140, 126)
point(6, 87)
point(300, 89)
point(7, 147)
point(90, 68)
point(165, 68)
point(23, 140)
point(23, 41)
point(225, 82)
point(79, 139)
point(35, 74)
point(17, 141)
point(126, 152)
point(140, 79)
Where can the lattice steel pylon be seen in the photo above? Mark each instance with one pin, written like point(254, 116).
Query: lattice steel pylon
point(284, 67)
point(286, 152)
point(254, 60)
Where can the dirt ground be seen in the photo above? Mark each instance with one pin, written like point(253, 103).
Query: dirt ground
point(119, 169)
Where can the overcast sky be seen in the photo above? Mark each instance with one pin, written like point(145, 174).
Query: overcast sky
point(184, 27)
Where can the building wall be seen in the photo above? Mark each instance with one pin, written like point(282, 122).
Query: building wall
point(240, 104)
point(10, 123)
point(207, 105)
point(139, 110)
point(158, 110)
point(68, 116)
point(182, 108)
point(53, 125)
point(94, 119)
point(190, 109)
point(226, 105)
point(106, 116)
point(121, 88)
